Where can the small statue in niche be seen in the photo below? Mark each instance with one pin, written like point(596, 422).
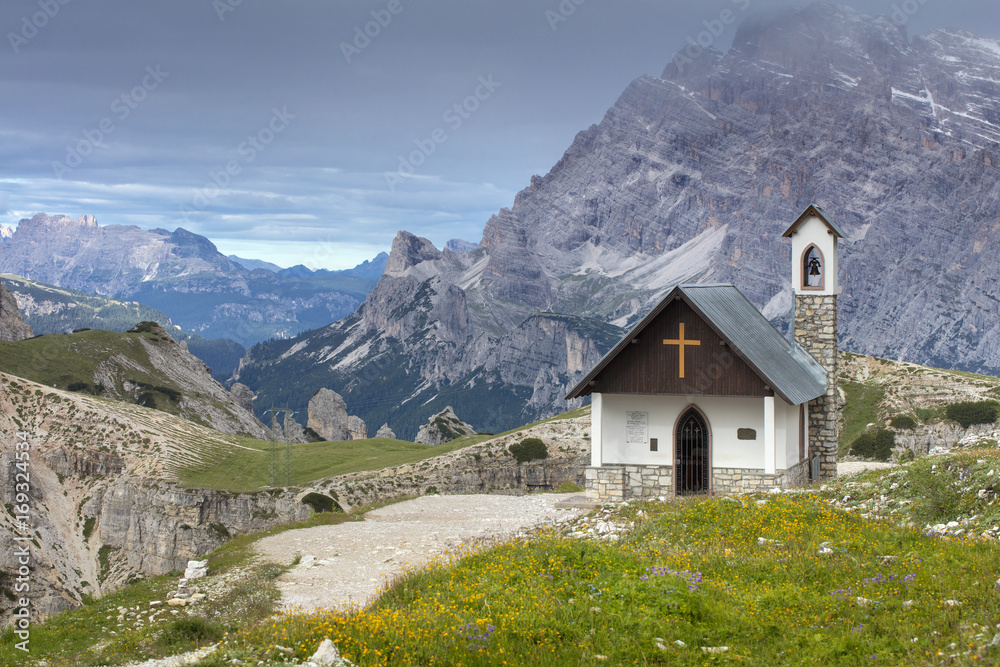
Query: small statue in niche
point(814, 269)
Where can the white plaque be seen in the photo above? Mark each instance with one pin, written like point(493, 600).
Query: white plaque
point(636, 428)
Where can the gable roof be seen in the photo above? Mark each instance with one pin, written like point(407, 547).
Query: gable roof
point(786, 367)
point(813, 210)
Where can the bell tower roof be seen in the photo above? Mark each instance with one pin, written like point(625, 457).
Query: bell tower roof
point(817, 212)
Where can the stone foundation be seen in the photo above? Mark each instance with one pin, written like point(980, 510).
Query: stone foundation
point(624, 482)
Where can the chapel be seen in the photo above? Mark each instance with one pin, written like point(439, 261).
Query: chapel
point(704, 395)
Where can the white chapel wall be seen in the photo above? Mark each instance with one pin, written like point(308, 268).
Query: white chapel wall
point(725, 416)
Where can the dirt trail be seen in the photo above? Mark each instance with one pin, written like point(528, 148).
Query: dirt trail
point(348, 564)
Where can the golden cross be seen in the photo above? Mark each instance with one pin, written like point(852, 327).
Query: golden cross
point(680, 343)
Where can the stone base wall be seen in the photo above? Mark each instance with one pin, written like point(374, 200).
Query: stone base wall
point(629, 481)
point(624, 482)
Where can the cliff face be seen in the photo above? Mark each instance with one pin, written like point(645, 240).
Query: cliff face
point(104, 504)
point(12, 326)
point(692, 177)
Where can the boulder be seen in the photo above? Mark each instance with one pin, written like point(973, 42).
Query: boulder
point(385, 432)
point(443, 427)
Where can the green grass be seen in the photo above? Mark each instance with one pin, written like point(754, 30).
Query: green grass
point(245, 468)
point(691, 575)
point(862, 408)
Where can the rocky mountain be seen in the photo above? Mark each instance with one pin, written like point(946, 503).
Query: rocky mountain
point(50, 309)
point(443, 427)
point(12, 326)
point(180, 273)
point(692, 176)
point(6, 231)
point(144, 366)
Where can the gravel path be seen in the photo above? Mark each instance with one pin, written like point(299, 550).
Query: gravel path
point(348, 564)
point(851, 467)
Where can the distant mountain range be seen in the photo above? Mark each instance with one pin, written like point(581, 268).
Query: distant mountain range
point(371, 269)
point(693, 176)
point(183, 275)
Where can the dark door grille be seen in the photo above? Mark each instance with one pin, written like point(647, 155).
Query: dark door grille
point(692, 454)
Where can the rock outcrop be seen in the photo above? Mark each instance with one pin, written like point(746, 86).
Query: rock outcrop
point(385, 432)
point(243, 396)
point(328, 418)
point(12, 325)
point(357, 428)
point(443, 427)
point(293, 430)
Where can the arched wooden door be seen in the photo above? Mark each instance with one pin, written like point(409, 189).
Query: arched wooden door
point(692, 453)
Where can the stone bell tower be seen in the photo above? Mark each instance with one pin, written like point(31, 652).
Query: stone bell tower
point(814, 292)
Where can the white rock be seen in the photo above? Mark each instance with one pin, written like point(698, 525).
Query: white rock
point(176, 602)
point(327, 654)
point(714, 649)
point(196, 569)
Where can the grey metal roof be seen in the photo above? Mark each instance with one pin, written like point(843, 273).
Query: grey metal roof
point(786, 367)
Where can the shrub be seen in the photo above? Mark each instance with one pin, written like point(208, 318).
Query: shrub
point(190, 630)
point(903, 421)
point(529, 449)
point(968, 413)
point(876, 444)
point(885, 440)
point(864, 445)
point(320, 503)
point(78, 386)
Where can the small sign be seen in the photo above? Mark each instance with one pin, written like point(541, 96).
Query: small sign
point(636, 428)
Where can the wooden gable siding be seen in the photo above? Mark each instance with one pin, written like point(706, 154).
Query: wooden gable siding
point(651, 367)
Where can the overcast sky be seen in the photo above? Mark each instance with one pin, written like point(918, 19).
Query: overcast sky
point(283, 132)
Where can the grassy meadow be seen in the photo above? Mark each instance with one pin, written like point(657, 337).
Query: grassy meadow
point(837, 574)
point(756, 580)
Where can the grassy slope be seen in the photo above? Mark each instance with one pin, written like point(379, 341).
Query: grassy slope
point(239, 469)
point(59, 360)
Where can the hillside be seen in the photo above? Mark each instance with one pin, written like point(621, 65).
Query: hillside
point(144, 366)
point(50, 309)
point(879, 391)
point(693, 176)
point(180, 273)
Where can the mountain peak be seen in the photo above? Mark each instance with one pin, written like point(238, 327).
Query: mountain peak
point(409, 250)
point(64, 221)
